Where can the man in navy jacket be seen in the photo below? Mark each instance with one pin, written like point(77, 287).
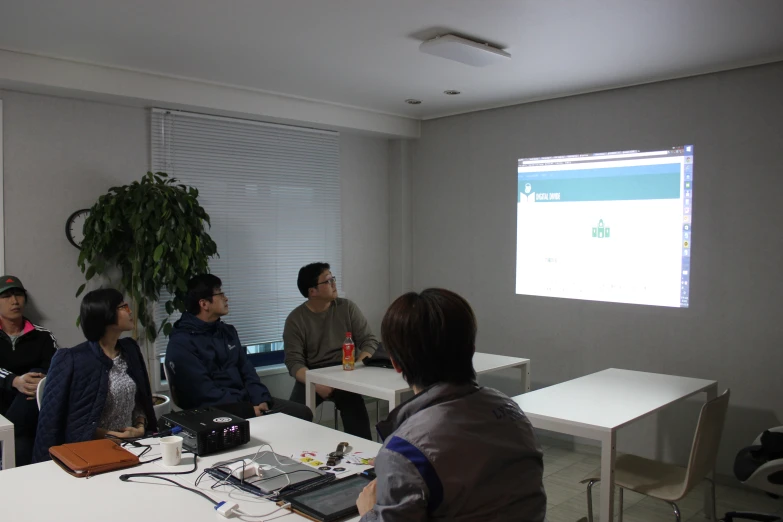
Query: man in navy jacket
point(207, 364)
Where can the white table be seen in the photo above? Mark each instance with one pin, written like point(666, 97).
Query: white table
point(597, 405)
point(388, 385)
point(105, 497)
point(7, 440)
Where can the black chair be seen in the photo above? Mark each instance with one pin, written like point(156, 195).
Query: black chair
point(171, 386)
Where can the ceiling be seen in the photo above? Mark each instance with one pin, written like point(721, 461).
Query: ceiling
point(364, 53)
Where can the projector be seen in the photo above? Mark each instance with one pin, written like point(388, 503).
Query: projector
point(208, 430)
point(453, 47)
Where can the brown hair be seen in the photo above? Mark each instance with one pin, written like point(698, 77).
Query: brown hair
point(432, 337)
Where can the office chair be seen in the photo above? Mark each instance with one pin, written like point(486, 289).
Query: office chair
point(337, 411)
point(171, 385)
point(669, 482)
point(40, 391)
point(761, 466)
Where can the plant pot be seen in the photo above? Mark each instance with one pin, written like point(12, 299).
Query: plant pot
point(161, 404)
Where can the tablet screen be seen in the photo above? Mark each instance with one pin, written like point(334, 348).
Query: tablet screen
point(332, 499)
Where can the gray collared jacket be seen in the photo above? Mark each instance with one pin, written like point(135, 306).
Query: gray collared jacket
point(458, 453)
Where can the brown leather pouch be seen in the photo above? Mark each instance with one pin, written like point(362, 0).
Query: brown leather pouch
point(85, 459)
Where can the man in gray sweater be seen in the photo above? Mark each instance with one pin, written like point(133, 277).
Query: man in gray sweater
point(313, 338)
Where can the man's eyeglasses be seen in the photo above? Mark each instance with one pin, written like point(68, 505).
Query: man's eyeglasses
point(332, 280)
point(124, 306)
point(216, 294)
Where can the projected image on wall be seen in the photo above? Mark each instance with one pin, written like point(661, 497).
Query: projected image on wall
point(612, 226)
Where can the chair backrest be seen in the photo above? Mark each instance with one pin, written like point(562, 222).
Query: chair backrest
point(40, 391)
point(706, 440)
point(171, 384)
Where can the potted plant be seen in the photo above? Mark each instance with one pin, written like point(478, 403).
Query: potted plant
point(154, 231)
point(161, 404)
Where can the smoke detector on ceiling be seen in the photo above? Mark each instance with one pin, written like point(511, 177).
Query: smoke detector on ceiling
point(469, 52)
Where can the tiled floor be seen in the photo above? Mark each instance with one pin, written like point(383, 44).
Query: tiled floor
point(565, 467)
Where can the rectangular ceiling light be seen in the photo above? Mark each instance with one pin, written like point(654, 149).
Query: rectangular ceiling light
point(465, 51)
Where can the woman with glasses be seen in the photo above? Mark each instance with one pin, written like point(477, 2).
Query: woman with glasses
point(99, 388)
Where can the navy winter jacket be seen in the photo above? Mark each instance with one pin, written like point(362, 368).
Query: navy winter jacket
point(208, 366)
point(75, 393)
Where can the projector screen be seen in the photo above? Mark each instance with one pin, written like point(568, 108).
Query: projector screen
point(612, 226)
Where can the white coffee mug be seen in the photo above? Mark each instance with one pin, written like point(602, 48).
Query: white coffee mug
point(171, 450)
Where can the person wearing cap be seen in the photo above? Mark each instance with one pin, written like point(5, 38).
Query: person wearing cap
point(313, 338)
point(26, 350)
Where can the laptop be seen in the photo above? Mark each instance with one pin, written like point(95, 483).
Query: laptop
point(279, 473)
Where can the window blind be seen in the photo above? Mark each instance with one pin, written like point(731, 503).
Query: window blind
point(273, 195)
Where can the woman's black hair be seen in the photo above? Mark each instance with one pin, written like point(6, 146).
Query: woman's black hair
point(99, 310)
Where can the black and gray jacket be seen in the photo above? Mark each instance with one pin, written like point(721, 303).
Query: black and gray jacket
point(458, 453)
point(33, 349)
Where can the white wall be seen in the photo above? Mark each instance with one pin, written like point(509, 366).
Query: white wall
point(62, 154)
point(2, 227)
point(400, 219)
point(365, 222)
point(464, 212)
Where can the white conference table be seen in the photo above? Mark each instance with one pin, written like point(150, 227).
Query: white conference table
point(7, 440)
point(597, 405)
point(388, 385)
point(44, 492)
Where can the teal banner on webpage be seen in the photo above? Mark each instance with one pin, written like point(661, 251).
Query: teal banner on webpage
point(612, 188)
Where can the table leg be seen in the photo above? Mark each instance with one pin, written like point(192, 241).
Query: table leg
point(9, 449)
point(608, 454)
point(525, 369)
point(712, 392)
point(394, 401)
point(709, 492)
point(310, 396)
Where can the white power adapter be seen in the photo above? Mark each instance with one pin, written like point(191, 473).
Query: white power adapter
point(244, 469)
point(226, 509)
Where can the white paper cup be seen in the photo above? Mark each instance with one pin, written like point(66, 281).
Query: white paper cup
point(171, 450)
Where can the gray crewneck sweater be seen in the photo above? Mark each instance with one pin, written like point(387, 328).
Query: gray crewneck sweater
point(314, 340)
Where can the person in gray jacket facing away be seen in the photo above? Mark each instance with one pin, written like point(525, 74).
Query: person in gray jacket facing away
point(456, 451)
